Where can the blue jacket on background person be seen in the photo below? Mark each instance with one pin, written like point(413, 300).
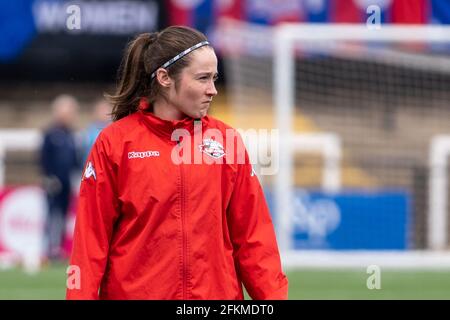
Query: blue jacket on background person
point(59, 154)
point(58, 161)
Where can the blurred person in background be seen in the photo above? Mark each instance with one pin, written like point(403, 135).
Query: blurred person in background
point(58, 160)
point(148, 227)
point(101, 118)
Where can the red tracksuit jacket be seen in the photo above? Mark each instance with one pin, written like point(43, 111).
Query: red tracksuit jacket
point(150, 228)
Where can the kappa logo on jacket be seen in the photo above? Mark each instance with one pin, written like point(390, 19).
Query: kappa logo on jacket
point(143, 154)
point(89, 171)
point(212, 148)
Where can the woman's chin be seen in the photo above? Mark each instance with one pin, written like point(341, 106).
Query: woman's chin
point(201, 113)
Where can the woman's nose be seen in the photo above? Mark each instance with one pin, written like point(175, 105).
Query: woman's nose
point(211, 91)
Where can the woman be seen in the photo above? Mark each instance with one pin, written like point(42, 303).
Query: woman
point(169, 206)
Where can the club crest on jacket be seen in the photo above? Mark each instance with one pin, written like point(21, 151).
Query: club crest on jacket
point(212, 148)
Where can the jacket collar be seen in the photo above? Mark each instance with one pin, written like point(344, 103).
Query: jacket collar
point(165, 128)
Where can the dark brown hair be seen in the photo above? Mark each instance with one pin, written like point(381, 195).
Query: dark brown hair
point(144, 55)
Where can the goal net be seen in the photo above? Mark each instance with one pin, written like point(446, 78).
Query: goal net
point(383, 96)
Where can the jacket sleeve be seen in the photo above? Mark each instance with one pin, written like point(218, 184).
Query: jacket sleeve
point(256, 254)
point(97, 212)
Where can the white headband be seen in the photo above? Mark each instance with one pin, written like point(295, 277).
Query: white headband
point(179, 56)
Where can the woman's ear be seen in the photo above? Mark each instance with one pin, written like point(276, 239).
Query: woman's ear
point(163, 77)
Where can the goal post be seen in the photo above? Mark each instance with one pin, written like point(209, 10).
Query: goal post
point(286, 37)
point(383, 93)
point(438, 192)
point(16, 140)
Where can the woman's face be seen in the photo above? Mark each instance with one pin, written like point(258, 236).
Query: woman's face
point(195, 88)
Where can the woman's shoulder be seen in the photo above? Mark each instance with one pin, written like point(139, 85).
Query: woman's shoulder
point(119, 129)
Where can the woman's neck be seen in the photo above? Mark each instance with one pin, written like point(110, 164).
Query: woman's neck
point(166, 111)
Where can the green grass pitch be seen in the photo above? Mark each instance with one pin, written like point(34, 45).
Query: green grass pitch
point(304, 284)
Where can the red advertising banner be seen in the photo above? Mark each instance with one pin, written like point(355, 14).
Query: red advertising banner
point(23, 212)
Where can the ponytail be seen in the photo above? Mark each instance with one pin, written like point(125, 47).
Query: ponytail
point(133, 78)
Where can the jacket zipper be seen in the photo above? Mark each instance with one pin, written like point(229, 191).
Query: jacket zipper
point(184, 232)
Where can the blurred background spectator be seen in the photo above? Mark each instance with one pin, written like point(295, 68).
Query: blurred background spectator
point(101, 117)
point(58, 161)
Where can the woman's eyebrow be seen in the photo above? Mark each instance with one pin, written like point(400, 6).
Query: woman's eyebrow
point(207, 74)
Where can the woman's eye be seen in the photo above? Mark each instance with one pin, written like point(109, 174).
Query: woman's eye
point(206, 78)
